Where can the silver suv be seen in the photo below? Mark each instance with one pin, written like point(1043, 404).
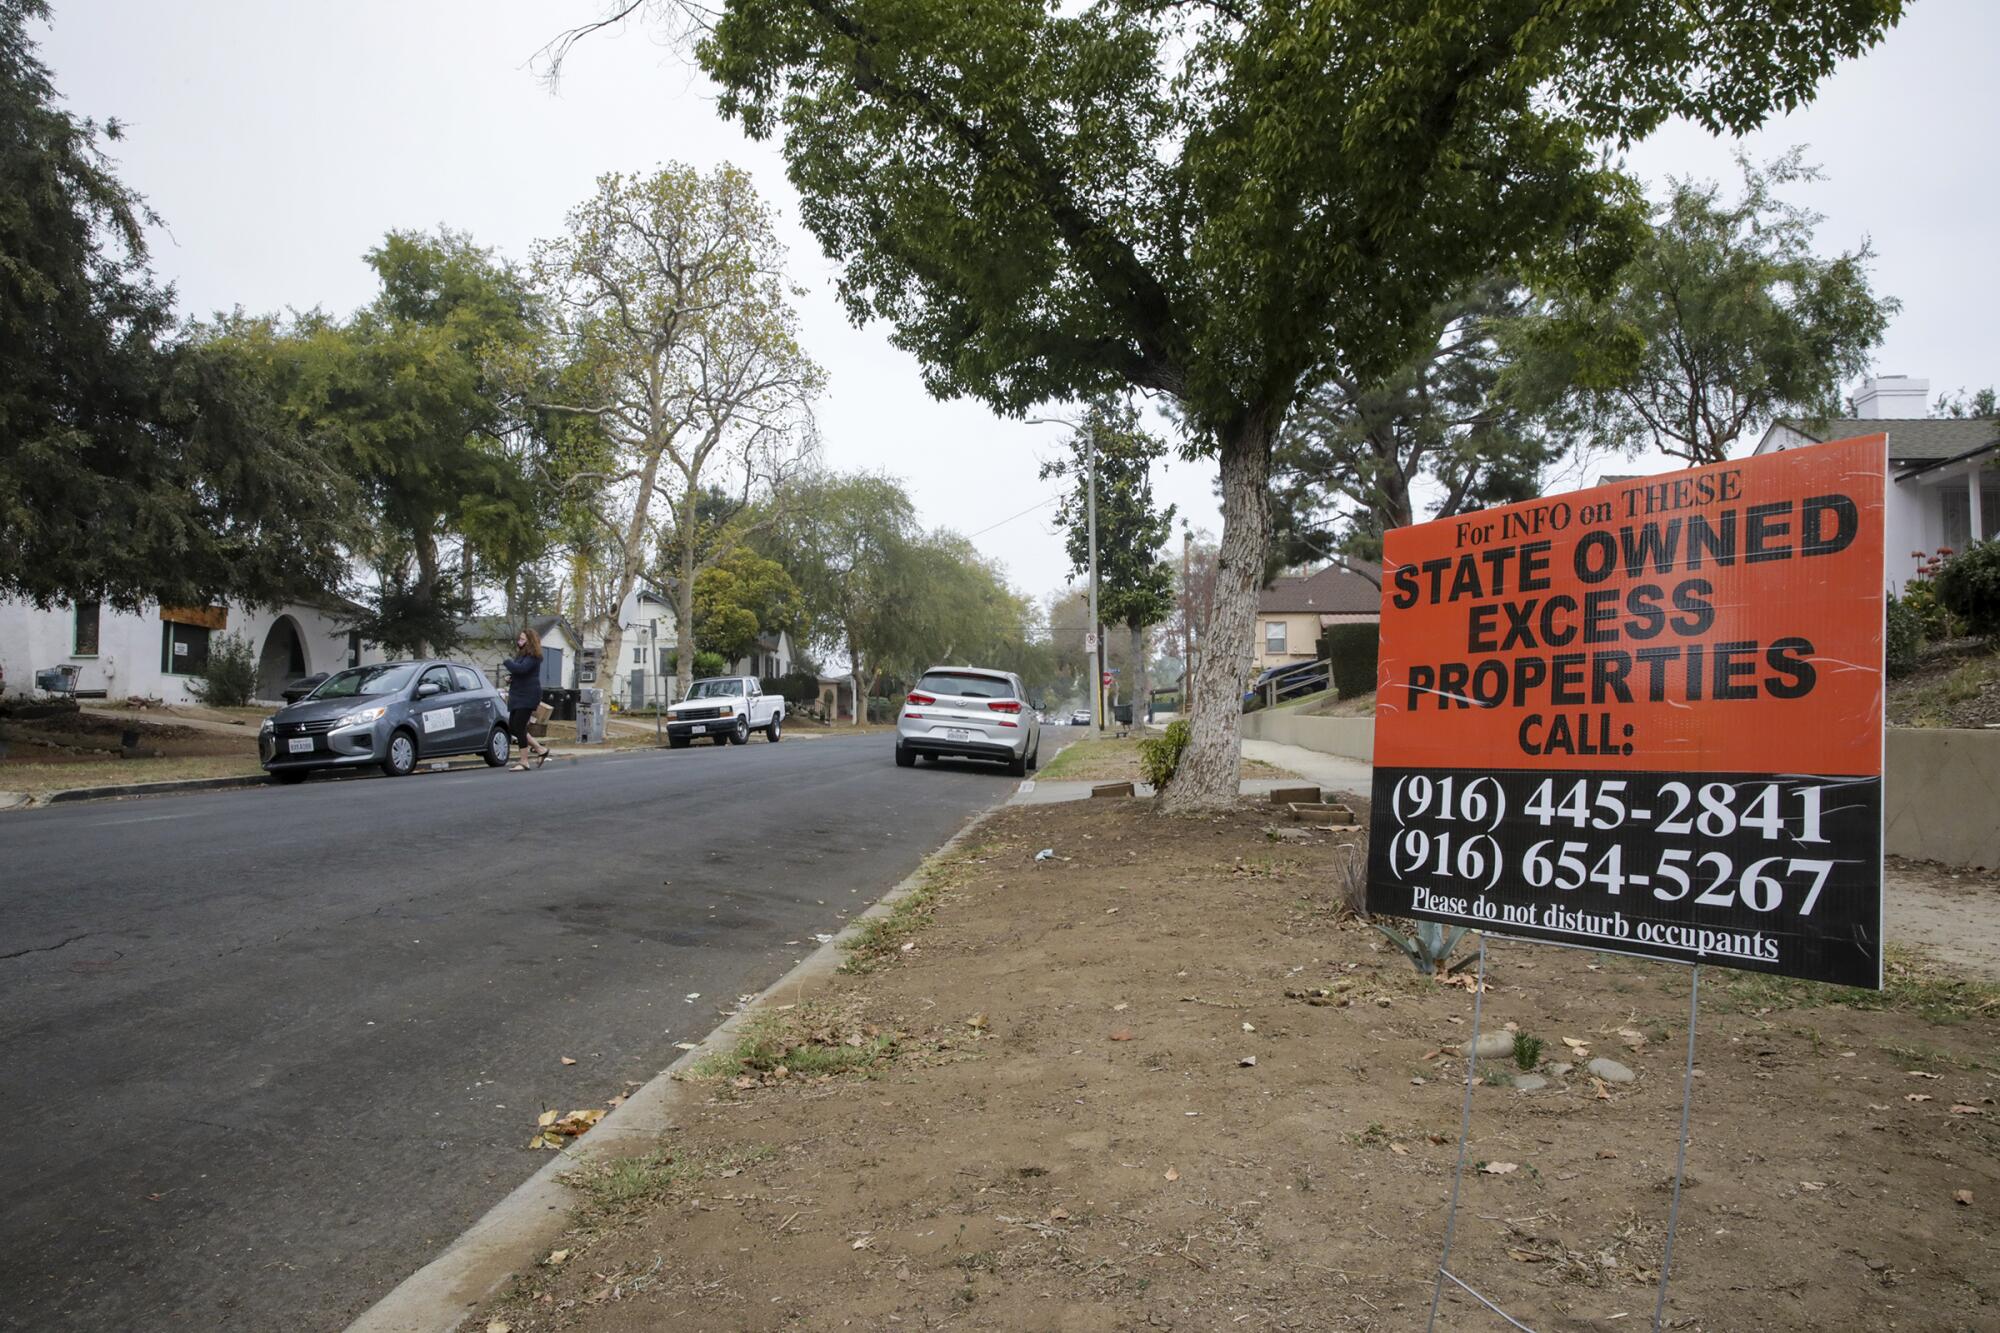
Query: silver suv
point(970, 712)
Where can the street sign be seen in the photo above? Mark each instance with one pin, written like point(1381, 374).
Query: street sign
point(1090, 641)
point(1645, 717)
point(1110, 677)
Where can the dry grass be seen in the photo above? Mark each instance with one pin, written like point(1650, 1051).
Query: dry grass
point(1118, 761)
point(41, 779)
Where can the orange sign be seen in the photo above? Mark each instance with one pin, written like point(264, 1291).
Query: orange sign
point(1726, 618)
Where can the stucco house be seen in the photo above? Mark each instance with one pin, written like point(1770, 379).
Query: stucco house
point(1295, 608)
point(489, 640)
point(1944, 472)
point(155, 651)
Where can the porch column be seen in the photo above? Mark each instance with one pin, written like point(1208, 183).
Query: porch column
point(1976, 527)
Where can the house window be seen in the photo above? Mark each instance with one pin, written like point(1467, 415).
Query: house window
point(1958, 515)
point(354, 647)
point(183, 649)
point(85, 641)
point(639, 656)
point(1274, 638)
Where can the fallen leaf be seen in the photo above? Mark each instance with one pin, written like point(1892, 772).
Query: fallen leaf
point(1961, 1109)
point(1962, 1197)
point(1632, 1037)
point(1399, 1150)
point(1922, 1073)
point(1120, 1007)
point(1812, 1185)
point(1601, 1088)
point(1580, 1047)
point(1916, 1097)
point(906, 946)
point(557, 1256)
point(499, 1326)
point(545, 1119)
point(684, 1046)
point(1521, 1256)
point(979, 1021)
point(1249, 1027)
point(1250, 1061)
point(1878, 1106)
point(1605, 1155)
point(1122, 1034)
point(862, 1243)
point(1499, 1168)
point(1173, 1173)
point(730, 1172)
point(566, 1060)
point(1058, 1214)
point(742, 1081)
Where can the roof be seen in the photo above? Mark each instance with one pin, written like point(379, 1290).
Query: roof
point(1911, 439)
point(1352, 588)
point(495, 629)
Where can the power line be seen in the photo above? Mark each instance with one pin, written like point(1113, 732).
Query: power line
point(1011, 517)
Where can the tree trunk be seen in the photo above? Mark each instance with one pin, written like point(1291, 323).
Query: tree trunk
point(427, 579)
point(1207, 778)
point(1142, 681)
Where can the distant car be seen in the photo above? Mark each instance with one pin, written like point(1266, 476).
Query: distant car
point(392, 714)
point(727, 708)
point(1080, 718)
point(299, 689)
point(972, 713)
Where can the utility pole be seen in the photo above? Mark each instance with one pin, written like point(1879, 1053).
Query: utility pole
point(1096, 630)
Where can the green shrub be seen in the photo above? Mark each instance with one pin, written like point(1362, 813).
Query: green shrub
point(799, 688)
point(1935, 622)
point(1527, 1051)
point(1160, 758)
point(1968, 586)
point(1428, 946)
point(1903, 638)
point(1352, 650)
point(229, 678)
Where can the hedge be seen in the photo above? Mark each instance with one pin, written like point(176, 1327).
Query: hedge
point(1352, 650)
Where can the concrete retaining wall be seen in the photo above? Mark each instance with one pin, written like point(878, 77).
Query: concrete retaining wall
point(1941, 788)
point(1352, 737)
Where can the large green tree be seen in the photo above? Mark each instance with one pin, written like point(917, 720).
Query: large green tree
point(675, 321)
point(741, 598)
point(1725, 318)
point(135, 463)
point(1457, 416)
point(1218, 202)
point(1135, 584)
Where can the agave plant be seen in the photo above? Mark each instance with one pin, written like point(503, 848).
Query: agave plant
point(1429, 946)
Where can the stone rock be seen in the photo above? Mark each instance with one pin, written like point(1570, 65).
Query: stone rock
point(1529, 1083)
point(1610, 1071)
point(1559, 1068)
point(1492, 1046)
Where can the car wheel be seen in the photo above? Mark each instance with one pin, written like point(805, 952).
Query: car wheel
point(680, 742)
point(1035, 759)
point(401, 760)
point(499, 748)
point(904, 759)
point(776, 731)
point(1018, 766)
point(291, 777)
point(740, 736)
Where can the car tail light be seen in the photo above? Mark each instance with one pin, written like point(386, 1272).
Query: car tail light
point(918, 716)
point(916, 698)
point(1004, 706)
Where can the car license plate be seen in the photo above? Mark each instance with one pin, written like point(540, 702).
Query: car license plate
point(301, 745)
point(957, 734)
point(700, 729)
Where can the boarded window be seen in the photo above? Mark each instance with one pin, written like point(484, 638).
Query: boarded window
point(183, 648)
point(87, 614)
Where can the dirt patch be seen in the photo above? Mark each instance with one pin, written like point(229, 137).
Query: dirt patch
point(1118, 761)
point(1157, 1082)
point(1950, 912)
point(1957, 684)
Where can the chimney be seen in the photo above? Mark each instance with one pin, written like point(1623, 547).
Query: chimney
point(1891, 398)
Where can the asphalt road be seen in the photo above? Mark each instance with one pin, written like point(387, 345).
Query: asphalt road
point(263, 1053)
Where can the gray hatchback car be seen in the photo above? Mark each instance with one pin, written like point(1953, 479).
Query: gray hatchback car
point(392, 714)
point(970, 712)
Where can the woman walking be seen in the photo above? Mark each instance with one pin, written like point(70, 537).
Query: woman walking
point(524, 695)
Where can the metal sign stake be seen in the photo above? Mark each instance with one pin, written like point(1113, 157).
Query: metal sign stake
point(1444, 1273)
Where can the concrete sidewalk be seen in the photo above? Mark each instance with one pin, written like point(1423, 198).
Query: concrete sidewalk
point(1331, 771)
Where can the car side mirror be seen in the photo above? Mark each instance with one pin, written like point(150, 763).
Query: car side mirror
point(428, 688)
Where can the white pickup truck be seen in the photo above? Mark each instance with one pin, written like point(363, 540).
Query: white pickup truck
point(727, 708)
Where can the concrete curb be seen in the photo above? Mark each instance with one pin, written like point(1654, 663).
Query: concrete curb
point(516, 1232)
point(153, 788)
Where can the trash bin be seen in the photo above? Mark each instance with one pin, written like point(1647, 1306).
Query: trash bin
point(1122, 714)
point(591, 712)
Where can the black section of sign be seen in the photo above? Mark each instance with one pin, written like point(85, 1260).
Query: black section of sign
point(1776, 873)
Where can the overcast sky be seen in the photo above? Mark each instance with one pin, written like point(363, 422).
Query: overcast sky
point(280, 141)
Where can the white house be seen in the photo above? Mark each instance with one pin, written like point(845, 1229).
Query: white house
point(155, 651)
point(645, 672)
point(489, 641)
point(1944, 487)
point(772, 658)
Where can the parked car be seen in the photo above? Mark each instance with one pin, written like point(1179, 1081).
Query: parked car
point(1080, 718)
point(970, 712)
point(300, 688)
point(727, 708)
point(393, 714)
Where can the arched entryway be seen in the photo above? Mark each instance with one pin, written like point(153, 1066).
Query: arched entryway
point(283, 659)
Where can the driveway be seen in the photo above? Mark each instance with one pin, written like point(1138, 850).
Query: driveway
point(265, 1052)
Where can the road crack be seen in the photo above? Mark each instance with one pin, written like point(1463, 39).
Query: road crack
point(46, 948)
